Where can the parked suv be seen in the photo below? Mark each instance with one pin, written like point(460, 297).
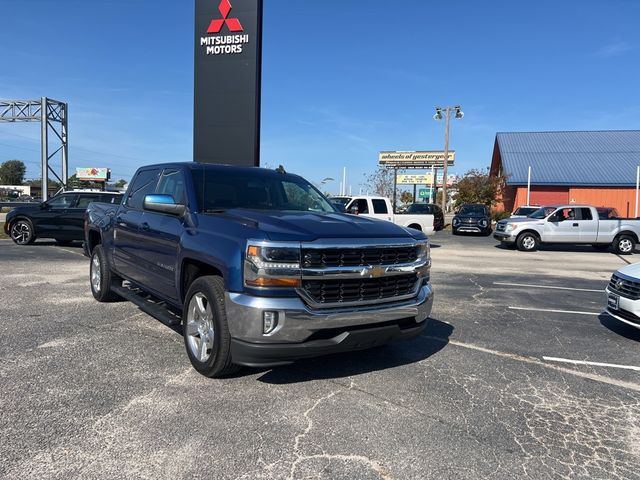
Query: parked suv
point(472, 218)
point(60, 218)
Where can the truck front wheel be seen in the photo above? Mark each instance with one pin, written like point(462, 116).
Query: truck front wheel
point(528, 242)
point(101, 278)
point(206, 331)
point(624, 245)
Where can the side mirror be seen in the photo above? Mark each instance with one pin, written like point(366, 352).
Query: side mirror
point(163, 204)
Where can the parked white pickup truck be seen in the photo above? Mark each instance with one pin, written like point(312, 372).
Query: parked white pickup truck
point(574, 224)
point(380, 207)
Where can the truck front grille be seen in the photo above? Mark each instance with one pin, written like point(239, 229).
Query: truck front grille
point(359, 290)
point(334, 257)
point(624, 288)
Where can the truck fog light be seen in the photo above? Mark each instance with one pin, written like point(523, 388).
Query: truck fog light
point(269, 322)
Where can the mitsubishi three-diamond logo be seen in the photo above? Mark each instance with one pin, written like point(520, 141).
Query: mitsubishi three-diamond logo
point(224, 44)
point(233, 24)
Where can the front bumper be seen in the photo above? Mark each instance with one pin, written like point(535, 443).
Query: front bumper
point(628, 310)
point(504, 237)
point(303, 332)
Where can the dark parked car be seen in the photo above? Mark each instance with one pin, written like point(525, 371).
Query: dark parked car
point(428, 209)
point(60, 218)
point(472, 218)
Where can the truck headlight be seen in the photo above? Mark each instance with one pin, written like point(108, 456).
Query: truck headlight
point(510, 227)
point(272, 264)
point(456, 221)
point(424, 251)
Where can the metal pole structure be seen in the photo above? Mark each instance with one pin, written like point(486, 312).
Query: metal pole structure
point(64, 130)
point(344, 180)
point(434, 172)
point(529, 187)
point(415, 187)
point(44, 149)
point(637, 188)
point(446, 159)
point(395, 183)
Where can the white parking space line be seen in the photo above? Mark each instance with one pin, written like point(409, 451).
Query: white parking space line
point(555, 311)
point(547, 286)
point(595, 364)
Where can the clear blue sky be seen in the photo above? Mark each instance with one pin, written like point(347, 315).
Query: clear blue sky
point(343, 79)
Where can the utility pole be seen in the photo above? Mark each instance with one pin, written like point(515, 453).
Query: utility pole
point(447, 117)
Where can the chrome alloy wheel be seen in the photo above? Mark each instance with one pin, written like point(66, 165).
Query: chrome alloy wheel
point(528, 243)
point(21, 232)
point(625, 245)
point(95, 273)
point(200, 331)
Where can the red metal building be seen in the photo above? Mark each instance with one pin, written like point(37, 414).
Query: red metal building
point(598, 168)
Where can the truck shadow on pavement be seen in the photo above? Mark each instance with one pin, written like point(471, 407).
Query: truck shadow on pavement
point(619, 328)
point(434, 338)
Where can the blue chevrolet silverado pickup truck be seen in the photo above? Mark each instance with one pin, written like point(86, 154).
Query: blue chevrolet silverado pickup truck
point(258, 266)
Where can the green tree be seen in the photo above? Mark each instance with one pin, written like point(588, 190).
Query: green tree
point(121, 183)
point(406, 197)
point(12, 172)
point(477, 186)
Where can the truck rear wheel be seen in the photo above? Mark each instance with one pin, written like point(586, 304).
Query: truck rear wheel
point(624, 245)
point(206, 331)
point(528, 242)
point(101, 278)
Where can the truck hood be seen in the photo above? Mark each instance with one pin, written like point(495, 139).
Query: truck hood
point(309, 226)
point(632, 270)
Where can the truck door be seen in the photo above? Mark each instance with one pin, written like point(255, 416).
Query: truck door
point(160, 233)
point(587, 225)
point(562, 227)
point(380, 209)
point(127, 236)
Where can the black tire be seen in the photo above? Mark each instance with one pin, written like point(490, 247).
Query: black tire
point(21, 231)
point(103, 281)
point(624, 245)
point(204, 310)
point(454, 231)
point(600, 247)
point(528, 242)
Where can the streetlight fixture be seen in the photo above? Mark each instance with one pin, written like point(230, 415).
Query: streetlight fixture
point(458, 114)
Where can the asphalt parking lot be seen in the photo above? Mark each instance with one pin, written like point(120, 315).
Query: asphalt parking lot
point(489, 391)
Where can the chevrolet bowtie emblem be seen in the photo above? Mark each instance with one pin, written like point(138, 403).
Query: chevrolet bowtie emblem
point(374, 272)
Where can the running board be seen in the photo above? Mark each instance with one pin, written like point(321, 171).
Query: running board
point(149, 305)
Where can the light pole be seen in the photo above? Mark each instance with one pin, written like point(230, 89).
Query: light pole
point(447, 116)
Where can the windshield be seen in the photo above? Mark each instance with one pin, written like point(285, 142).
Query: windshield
point(340, 200)
point(472, 210)
point(542, 212)
point(525, 211)
point(218, 190)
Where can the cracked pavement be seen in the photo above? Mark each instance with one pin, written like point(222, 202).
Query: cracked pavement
point(94, 390)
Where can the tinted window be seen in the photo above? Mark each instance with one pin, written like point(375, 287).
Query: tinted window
point(218, 189)
point(85, 200)
point(114, 199)
point(473, 210)
point(418, 208)
point(380, 206)
point(362, 205)
point(172, 183)
point(61, 202)
point(585, 214)
point(143, 184)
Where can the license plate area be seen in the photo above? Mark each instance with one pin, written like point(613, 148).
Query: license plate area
point(613, 301)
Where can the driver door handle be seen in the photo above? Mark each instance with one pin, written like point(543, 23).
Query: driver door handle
point(145, 227)
point(576, 224)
